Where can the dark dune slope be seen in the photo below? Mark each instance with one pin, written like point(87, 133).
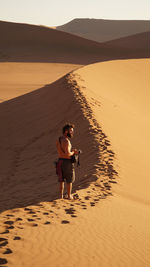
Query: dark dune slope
point(101, 30)
point(28, 43)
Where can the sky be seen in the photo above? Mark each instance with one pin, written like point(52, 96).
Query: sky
point(59, 12)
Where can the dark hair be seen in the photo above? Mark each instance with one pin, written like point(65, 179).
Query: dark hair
point(67, 127)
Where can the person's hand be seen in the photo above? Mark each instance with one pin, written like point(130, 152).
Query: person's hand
point(75, 151)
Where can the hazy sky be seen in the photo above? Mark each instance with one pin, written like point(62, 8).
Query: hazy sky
point(58, 12)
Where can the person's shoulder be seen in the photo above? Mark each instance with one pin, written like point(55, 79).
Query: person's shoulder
point(64, 140)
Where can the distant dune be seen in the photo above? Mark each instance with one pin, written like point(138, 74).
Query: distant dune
point(29, 43)
point(102, 30)
point(23, 42)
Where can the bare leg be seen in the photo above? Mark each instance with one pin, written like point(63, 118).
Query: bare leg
point(69, 189)
point(61, 189)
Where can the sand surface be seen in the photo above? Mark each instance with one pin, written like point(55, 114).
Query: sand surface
point(108, 225)
point(20, 78)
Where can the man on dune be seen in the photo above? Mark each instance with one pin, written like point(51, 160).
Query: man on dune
point(65, 167)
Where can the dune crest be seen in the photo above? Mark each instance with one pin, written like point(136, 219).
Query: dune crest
point(32, 123)
point(19, 78)
point(101, 30)
point(30, 43)
point(122, 89)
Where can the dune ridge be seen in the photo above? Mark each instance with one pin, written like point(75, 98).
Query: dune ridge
point(19, 78)
point(29, 43)
point(31, 121)
point(29, 188)
point(126, 100)
point(101, 30)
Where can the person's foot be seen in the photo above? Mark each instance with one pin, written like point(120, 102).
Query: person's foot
point(66, 196)
point(70, 197)
point(61, 196)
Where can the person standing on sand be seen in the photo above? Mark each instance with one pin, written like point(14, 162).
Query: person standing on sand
point(65, 168)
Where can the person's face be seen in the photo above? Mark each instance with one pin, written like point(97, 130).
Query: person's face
point(70, 132)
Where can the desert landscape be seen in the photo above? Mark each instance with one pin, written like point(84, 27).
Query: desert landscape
point(50, 77)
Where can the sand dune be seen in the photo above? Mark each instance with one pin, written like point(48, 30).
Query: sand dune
point(18, 78)
point(101, 30)
point(135, 42)
point(122, 89)
point(30, 125)
point(34, 44)
point(29, 190)
point(29, 43)
point(112, 230)
point(118, 94)
point(108, 103)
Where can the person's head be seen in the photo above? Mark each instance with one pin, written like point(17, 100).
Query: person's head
point(68, 130)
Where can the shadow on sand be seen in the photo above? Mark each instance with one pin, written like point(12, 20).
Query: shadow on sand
point(30, 125)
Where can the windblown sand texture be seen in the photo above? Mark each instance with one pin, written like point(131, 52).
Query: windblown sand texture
point(108, 225)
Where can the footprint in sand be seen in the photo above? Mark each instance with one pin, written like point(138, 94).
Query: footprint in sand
point(47, 222)
point(9, 222)
point(18, 219)
point(5, 232)
point(31, 212)
point(70, 211)
point(34, 224)
point(83, 204)
point(11, 227)
point(30, 220)
point(27, 209)
point(3, 261)
point(2, 239)
point(8, 251)
point(87, 197)
point(17, 238)
point(111, 181)
point(92, 204)
point(3, 242)
point(96, 199)
point(65, 222)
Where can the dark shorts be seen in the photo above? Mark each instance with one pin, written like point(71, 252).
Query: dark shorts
point(65, 171)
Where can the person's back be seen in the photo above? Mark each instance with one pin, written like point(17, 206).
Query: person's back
point(64, 146)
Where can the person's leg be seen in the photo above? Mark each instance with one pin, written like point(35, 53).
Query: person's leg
point(69, 189)
point(61, 189)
